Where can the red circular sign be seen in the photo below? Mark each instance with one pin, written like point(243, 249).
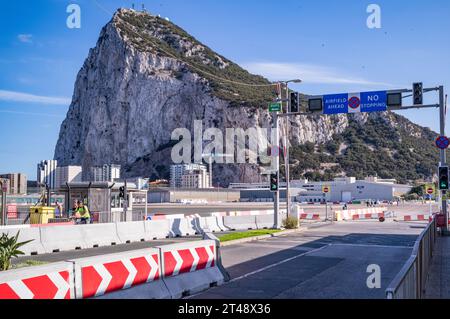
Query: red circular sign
point(442, 142)
point(326, 190)
point(354, 102)
point(430, 191)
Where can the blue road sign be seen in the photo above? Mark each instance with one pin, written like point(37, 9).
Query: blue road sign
point(442, 142)
point(364, 102)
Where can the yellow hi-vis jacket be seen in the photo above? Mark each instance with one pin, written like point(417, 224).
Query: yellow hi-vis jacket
point(84, 212)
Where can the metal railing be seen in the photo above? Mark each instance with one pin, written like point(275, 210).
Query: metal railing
point(411, 280)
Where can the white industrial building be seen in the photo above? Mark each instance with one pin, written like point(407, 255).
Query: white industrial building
point(68, 174)
point(46, 173)
point(349, 189)
point(341, 190)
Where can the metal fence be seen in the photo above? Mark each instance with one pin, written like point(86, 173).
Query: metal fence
point(410, 282)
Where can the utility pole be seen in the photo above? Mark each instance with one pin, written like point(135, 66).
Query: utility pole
point(443, 152)
point(286, 157)
point(125, 202)
point(276, 168)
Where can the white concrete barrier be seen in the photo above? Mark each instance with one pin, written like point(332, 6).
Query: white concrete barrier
point(62, 238)
point(33, 248)
point(130, 232)
point(213, 225)
point(220, 223)
point(182, 227)
point(98, 235)
point(265, 221)
point(157, 229)
point(53, 281)
point(189, 268)
point(240, 222)
point(101, 275)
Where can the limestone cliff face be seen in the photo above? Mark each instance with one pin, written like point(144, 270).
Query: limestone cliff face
point(129, 97)
point(147, 77)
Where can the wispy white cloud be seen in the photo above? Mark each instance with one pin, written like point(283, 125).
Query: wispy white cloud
point(309, 73)
point(30, 98)
point(31, 113)
point(25, 38)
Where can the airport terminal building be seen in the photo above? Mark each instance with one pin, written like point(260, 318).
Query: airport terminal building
point(341, 190)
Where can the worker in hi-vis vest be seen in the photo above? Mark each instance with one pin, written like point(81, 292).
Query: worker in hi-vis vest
point(83, 213)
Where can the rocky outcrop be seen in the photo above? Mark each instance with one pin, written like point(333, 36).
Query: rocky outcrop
point(145, 78)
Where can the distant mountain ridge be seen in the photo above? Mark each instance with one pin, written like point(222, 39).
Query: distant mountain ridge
point(147, 77)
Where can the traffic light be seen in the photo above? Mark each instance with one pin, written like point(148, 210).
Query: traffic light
point(443, 178)
point(122, 192)
point(418, 93)
point(294, 105)
point(274, 182)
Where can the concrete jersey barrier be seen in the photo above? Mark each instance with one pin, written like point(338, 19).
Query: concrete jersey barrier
point(157, 229)
point(98, 235)
point(131, 232)
point(240, 222)
point(62, 238)
point(32, 248)
point(101, 275)
point(182, 227)
point(54, 281)
point(190, 267)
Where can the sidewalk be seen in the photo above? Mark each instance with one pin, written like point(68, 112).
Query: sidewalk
point(438, 284)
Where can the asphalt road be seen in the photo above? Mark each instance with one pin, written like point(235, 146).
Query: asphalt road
point(325, 262)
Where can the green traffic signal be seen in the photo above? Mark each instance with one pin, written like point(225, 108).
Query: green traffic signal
point(443, 178)
point(274, 182)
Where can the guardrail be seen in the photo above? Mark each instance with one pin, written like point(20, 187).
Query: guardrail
point(410, 281)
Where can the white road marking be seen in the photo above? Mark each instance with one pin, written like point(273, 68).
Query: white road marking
point(266, 268)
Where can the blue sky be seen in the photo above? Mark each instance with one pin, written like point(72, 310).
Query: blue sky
point(325, 43)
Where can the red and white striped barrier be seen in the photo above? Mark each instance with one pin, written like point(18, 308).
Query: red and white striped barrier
point(360, 214)
point(368, 216)
point(53, 281)
point(411, 218)
point(309, 217)
point(156, 273)
point(190, 267)
point(97, 276)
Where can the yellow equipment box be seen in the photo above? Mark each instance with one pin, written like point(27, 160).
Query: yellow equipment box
point(41, 215)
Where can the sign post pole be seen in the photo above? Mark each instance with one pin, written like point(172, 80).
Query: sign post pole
point(442, 116)
point(276, 164)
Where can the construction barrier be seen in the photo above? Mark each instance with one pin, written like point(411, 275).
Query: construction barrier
point(97, 276)
point(62, 238)
point(368, 216)
point(131, 232)
point(32, 248)
point(99, 235)
point(345, 215)
point(180, 227)
point(54, 281)
point(211, 224)
point(265, 221)
point(157, 229)
point(190, 267)
point(309, 217)
point(414, 218)
point(240, 222)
